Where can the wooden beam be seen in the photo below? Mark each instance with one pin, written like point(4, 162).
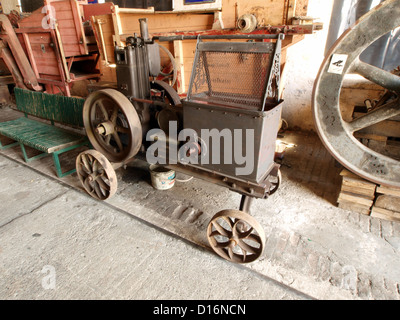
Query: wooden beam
point(180, 65)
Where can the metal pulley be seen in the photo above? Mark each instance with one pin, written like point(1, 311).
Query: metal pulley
point(337, 134)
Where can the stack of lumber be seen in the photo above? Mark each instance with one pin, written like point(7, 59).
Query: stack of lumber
point(356, 194)
point(387, 203)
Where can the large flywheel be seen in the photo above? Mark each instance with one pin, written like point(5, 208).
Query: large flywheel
point(344, 58)
point(112, 125)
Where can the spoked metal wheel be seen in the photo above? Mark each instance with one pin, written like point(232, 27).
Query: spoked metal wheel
point(275, 182)
point(96, 174)
point(344, 58)
point(236, 236)
point(112, 125)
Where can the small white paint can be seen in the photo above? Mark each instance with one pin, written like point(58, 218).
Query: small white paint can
point(161, 177)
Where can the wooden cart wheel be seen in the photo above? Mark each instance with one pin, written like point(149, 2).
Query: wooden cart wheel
point(112, 125)
point(344, 58)
point(96, 174)
point(236, 236)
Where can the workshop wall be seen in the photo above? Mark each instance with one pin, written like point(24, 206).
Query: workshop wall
point(303, 62)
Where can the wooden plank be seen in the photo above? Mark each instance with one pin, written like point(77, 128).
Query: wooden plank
point(38, 38)
point(370, 136)
point(301, 7)
point(388, 191)
point(5, 80)
point(356, 183)
point(291, 11)
point(169, 22)
point(181, 77)
point(64, 72)
point(61, 5)
point(66, 24)
point(385, 214)
point(356, 199)
point(351, 179)
point(118, 29)
point(267, 12)
point(388, 202)
point(65, 15)
point(361, 191)
point(79, 27)
point(350, 206)
point(34, 20)
point(31, 55)
point(48, 70)
point(45, 62)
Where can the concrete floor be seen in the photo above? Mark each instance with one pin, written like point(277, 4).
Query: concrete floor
point(149, 244)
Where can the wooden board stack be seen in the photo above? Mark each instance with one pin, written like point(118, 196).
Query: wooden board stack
point(356, 194)
point(362, 196)
point(387, 203)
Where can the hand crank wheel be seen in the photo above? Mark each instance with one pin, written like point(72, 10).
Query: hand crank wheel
point(96, 174)
point(337, 134)
point(236, 236)
point(112, 125)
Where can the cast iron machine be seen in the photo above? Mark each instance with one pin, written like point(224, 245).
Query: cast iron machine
point(232, 107)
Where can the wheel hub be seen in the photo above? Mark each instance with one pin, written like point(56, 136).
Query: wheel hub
point(106, 128)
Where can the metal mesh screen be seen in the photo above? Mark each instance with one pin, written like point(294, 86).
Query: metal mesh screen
point(236, 79)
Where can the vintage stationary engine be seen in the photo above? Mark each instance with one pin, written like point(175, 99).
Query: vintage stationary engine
point(232, 108)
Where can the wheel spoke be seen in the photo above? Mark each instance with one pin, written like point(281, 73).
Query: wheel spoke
point(82, 171)
point(379, 76)
point(248, 248)
point(102, 108)
point(118, 141)
point(254, 237)
point(122, 130)
point(82, 168)
point(229, 221)
point(85, 162)
point(240, 234)
point(107, 140)
point(88, 186)
point(223, 245)
point(382, 113)
point(102, 184)
point(231, 254)
point(98, 191)
point(95, 166)
point(221, 230)
point(114, 116)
